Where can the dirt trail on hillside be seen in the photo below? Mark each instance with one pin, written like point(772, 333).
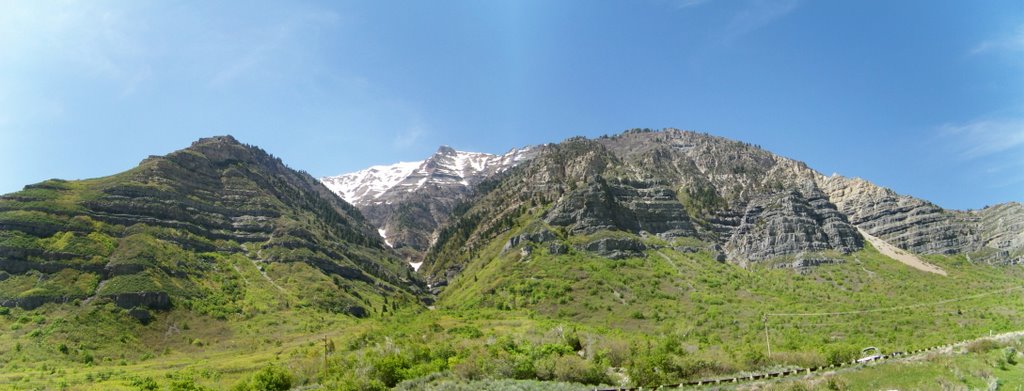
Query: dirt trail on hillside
point(901, 255)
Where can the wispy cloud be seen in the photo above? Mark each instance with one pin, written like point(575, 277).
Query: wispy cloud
point(985, 137)
point(263, 48)
point(409, 137)
point(1013, 42)
point(680, 4)
point(757, 14)
point(82, 36)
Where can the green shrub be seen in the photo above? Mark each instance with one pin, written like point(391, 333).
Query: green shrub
point(145, 383)
point(390, 369)
point(186, 384)
point(572, 368)
point(271, 378)
point(841, 353)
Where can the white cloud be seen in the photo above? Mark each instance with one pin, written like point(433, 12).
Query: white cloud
point(1010, 43)
point(757, 14)
point(985, 137)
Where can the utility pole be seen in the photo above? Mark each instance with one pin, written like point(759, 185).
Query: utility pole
point(766, 341)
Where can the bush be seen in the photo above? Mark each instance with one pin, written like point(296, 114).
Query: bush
point(145, 384)
point(269, 378)
point(390, 369)
point(647, 369)
point(572, 368)
point(184, 383)
point(840, 354)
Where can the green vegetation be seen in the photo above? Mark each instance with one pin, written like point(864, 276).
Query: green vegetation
point(983, 364)
point(193, 272)
point(582, 320)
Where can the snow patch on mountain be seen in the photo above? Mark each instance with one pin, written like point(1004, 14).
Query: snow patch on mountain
point(370, 183)
point(384, 234)
point(446, 167)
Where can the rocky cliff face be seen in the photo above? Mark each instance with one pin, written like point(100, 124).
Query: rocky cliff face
point(749, 204)
point(150, 236)
point(993, 234)
point(407, 202)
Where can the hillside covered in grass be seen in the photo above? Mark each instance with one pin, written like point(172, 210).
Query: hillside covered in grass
point(177, 230)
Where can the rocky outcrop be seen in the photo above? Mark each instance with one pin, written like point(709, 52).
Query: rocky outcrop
point(906, 222)
point(622, 204)
point(615, 248)
point(32, 302)
point(151, 300)
point(993, 235)
point(141, 315)
point(803, 265)
point(1002, 226)
point(790, 223)
point(538, 236)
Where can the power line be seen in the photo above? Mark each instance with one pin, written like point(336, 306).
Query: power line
point(767, 339)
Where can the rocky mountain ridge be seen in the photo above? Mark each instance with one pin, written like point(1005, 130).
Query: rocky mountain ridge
point(160, 233)
point(750, 205)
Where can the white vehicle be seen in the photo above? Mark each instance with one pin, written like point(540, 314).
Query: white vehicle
point(869, 354)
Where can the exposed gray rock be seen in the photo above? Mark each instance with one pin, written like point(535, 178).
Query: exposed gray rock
point(356, 311)
point(151, 300)
point(616, 248)
point(617, 204)
point(992, 235)
point(558, 249)
point(31, 302)
point(526, 251)
point(791, 223)
point(539, 236)
point(803, 264)
point(141, 315)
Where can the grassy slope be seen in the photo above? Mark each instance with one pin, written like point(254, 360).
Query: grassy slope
point(982, 364)
point(475, 339)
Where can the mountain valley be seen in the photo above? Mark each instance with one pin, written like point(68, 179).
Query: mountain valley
point(636, 259)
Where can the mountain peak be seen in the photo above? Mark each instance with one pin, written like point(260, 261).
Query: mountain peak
point(225, 139)
point(445, 166)
point(429, 190)
point(446, 150)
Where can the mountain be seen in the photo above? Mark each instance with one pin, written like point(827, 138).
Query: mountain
point(407, 202)
point(177, 230)
point(617, 196)
point(640, 259)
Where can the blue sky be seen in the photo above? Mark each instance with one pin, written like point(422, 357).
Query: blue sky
point(925, 97)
